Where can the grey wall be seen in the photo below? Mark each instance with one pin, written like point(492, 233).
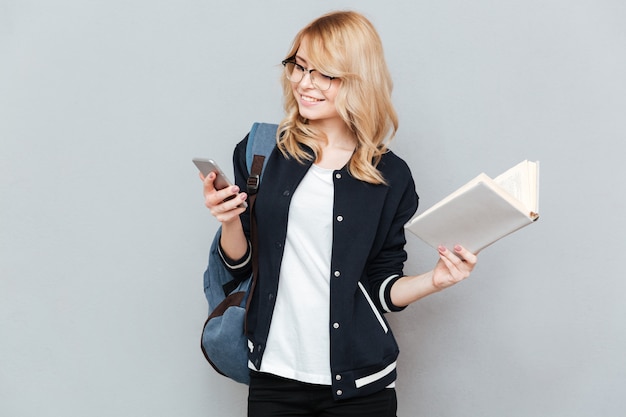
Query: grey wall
point(104, 237)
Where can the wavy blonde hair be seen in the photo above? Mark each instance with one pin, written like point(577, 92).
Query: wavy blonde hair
point(345, 45)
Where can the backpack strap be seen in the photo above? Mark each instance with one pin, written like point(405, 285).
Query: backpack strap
point(261, 141)
point(253, 187)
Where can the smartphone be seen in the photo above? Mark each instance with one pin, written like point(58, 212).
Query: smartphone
point(207, 166)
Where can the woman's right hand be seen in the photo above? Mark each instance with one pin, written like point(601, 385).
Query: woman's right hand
point(224, 204)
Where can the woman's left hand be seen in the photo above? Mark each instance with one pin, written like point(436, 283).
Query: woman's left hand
point(452, 267)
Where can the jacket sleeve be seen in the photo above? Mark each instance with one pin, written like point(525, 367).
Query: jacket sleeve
point(241, 268)
point(388, 264)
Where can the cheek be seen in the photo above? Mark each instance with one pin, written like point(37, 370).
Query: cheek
point(331, 102)
point(331, 94)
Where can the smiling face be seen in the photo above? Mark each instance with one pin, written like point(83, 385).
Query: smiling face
point(358, 103)
point(313, 104)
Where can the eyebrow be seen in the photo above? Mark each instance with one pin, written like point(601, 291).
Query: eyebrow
point(298, 57)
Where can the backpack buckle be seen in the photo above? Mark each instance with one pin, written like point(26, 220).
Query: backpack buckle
point(253, 184)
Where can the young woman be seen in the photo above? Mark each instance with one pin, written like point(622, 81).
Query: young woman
point(330, 215)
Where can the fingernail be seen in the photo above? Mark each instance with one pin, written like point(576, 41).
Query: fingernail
point(441, 248)
point(458, 248)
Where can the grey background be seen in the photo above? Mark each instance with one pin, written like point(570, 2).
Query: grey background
point(104, 237)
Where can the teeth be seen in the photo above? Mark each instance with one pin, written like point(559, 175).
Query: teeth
point(310, 99)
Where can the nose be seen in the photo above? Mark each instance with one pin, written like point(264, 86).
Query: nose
point(309, 80)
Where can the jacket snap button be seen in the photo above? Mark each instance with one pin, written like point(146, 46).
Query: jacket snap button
point(339, 392)
point(336, 325)
point(338, 176)
point(339, 218)
point(338, 377)
point(337, 273)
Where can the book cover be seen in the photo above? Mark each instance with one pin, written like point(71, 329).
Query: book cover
point(482, 211)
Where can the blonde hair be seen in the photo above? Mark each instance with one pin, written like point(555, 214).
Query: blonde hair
point(345, 45)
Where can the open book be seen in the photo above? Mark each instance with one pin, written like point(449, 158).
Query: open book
point(482, 211)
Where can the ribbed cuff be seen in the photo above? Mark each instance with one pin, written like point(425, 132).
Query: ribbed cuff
point(236, 264)
point(385, 295)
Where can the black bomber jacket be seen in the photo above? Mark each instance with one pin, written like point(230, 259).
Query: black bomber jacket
point(367, 258)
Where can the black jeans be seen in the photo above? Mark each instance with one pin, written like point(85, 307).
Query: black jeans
point(272, 396)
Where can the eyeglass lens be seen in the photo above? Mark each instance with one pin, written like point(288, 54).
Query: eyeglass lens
point(295, 73)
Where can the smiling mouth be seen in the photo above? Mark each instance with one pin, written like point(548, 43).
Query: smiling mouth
point(310, 99)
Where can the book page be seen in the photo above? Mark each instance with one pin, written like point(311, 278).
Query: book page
point(511, 181)
point(521, 183)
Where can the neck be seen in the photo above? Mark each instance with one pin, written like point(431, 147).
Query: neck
point(338, 136)
point(338, 147)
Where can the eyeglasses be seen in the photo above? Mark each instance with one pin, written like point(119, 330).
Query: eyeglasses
point(295, 73)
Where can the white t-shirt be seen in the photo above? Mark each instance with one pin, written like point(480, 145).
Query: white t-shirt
point(298, 345)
